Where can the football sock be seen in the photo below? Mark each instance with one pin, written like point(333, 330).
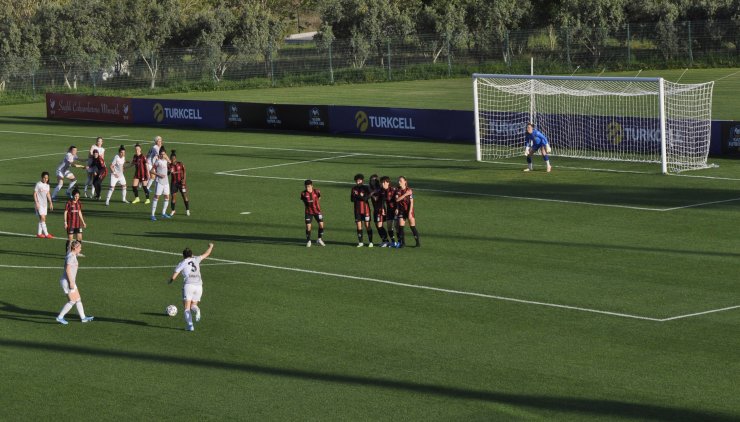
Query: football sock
point(44, 230)
point(416, 233)
point(123, 192)
point(391, 235)
point(195, 309)
point(370, 234)
point(71, 185)
point(383, 233)
point(529, 162)
point(80, 309)
point(65, 309)
point(401, 237)
point(188, 317)
point(58, 188)
point(321, 232)
point(172, 205)
point(154, 206)
point(187, 205)
point(40, 231)
point(146, 191)
point(110, 194)
point(66, 248)
point(308, 234)
point(164, 208)
point(136, 191)
point(359, 235)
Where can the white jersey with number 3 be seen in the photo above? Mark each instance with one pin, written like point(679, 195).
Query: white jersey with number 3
point(190, 270)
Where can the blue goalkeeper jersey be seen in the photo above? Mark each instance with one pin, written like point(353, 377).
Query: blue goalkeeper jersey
point(535, 140)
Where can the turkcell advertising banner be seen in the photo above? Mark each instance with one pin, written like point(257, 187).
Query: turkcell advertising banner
point(88, 107)
point(203, 114)
point(307, 118)
point(604, 133)
point(731, 138)
point(451, 125)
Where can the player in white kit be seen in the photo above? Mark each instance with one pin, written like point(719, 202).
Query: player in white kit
point(63, 171)
point(41, 197)
point(159, 172)
point(192, 287)
point(97, 146)
point(116, 176)
point(151, 156)
point(68, 282)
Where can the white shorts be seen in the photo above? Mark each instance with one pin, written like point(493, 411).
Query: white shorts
point(42, 211)
point(116, 180)
point(65, 285)
point(66, 174)
point(192, 292)
point(162, 189)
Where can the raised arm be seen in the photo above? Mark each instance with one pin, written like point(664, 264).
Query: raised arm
point(207, 253)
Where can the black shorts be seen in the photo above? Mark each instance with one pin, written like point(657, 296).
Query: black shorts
point(404, 214)
point(361, 217)
point(179, 187)
point(75, 230)
point(379, 217)
point(319, 218)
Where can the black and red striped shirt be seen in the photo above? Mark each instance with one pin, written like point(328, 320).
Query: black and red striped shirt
point(140, 171)
point(99, 168)
point(360, 195)
point(390, 200)
point(311, 201)
point(177, 170)
point(377, 198)
point(405, 203)
point(74, 211)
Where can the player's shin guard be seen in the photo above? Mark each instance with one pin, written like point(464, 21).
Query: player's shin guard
point(136, 191)
point(321, 233)
point(187, 205)
point(392, 235)
point(401, 236)
point(66, 308)
point(71, 186)
point(146, 191)
point(80, 309)
point(154, 206)
point(188, 317)
point(359, 235)
point(308, 234)
point(57, 189)
point(383, 234)
point(172, 205)
point(416, 235)
point(164, 208)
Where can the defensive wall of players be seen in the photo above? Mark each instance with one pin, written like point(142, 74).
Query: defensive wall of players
point(447, 125)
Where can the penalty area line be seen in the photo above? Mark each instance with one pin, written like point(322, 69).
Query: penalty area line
point(386, 282)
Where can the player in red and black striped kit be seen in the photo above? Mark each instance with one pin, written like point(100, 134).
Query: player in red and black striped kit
point(360, 197)
point(379, 208)
point(405, 204)
point(73, 219)
point(141, 174)
point(310, 198)
point(98, 172)
point(177, 177)
point(389, 194)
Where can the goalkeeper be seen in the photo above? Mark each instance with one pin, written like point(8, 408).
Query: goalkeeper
point(535, 141)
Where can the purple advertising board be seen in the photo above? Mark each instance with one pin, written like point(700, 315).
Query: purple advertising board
point(451, 125)
point(306, 118)
point(203, 114)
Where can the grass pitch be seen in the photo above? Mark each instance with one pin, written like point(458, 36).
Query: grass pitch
point(575, 295)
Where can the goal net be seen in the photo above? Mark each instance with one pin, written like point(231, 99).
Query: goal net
point(598, 118)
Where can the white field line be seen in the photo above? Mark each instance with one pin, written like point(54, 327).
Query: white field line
point(33, 156)
point(700, 313)
point(399, 284)
point(525, 198)
point(290, 163)
point(696, 176)
point(701, 204)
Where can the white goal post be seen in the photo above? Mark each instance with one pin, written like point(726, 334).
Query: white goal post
point(598, 118)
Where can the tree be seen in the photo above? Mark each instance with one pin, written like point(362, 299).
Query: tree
point(19, 52)
point(215, 37)
point(258, 32)
point(489, 23)
point(445, 20)
point(591, 22)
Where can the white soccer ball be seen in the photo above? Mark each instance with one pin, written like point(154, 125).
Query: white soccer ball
point(171, 310)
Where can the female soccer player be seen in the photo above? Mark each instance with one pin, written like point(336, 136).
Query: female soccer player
point(159, 172)
point(310, 198)
point(141, 174)
point(177, 172)
point(534, 141)
point(379, 216)
point(41, 197)
point(405, 204)
point(63, 171)
point(389, 194)
point(116, 176)
point(99, 172)
point(152, 156)
point(74, 222)
point(192, 287)
point(360, 196)
point(69, 284)
point(97, 146)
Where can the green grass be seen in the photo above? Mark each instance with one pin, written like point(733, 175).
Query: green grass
point(313, 334)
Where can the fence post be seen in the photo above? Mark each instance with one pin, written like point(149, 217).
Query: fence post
point(507, 57)
point(389, 60)
point(691, 54)
point(567, 45)
point(331, 67)
point(449, 59)
point(33, 82)
point(629, 45)
point(272, 64)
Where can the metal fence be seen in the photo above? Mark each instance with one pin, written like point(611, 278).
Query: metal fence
point(555, 50)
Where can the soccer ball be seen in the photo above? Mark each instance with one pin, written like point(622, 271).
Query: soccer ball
point(171, 310)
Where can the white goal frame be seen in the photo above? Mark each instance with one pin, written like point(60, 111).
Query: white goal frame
point(680, 114)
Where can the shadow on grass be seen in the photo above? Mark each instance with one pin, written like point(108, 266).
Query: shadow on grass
point(16, 313)
point(576, 406)
point(234, 238)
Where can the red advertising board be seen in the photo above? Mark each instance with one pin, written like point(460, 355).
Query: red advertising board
point(87, 107)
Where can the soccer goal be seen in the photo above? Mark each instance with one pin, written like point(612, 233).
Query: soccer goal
point(647, 120)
